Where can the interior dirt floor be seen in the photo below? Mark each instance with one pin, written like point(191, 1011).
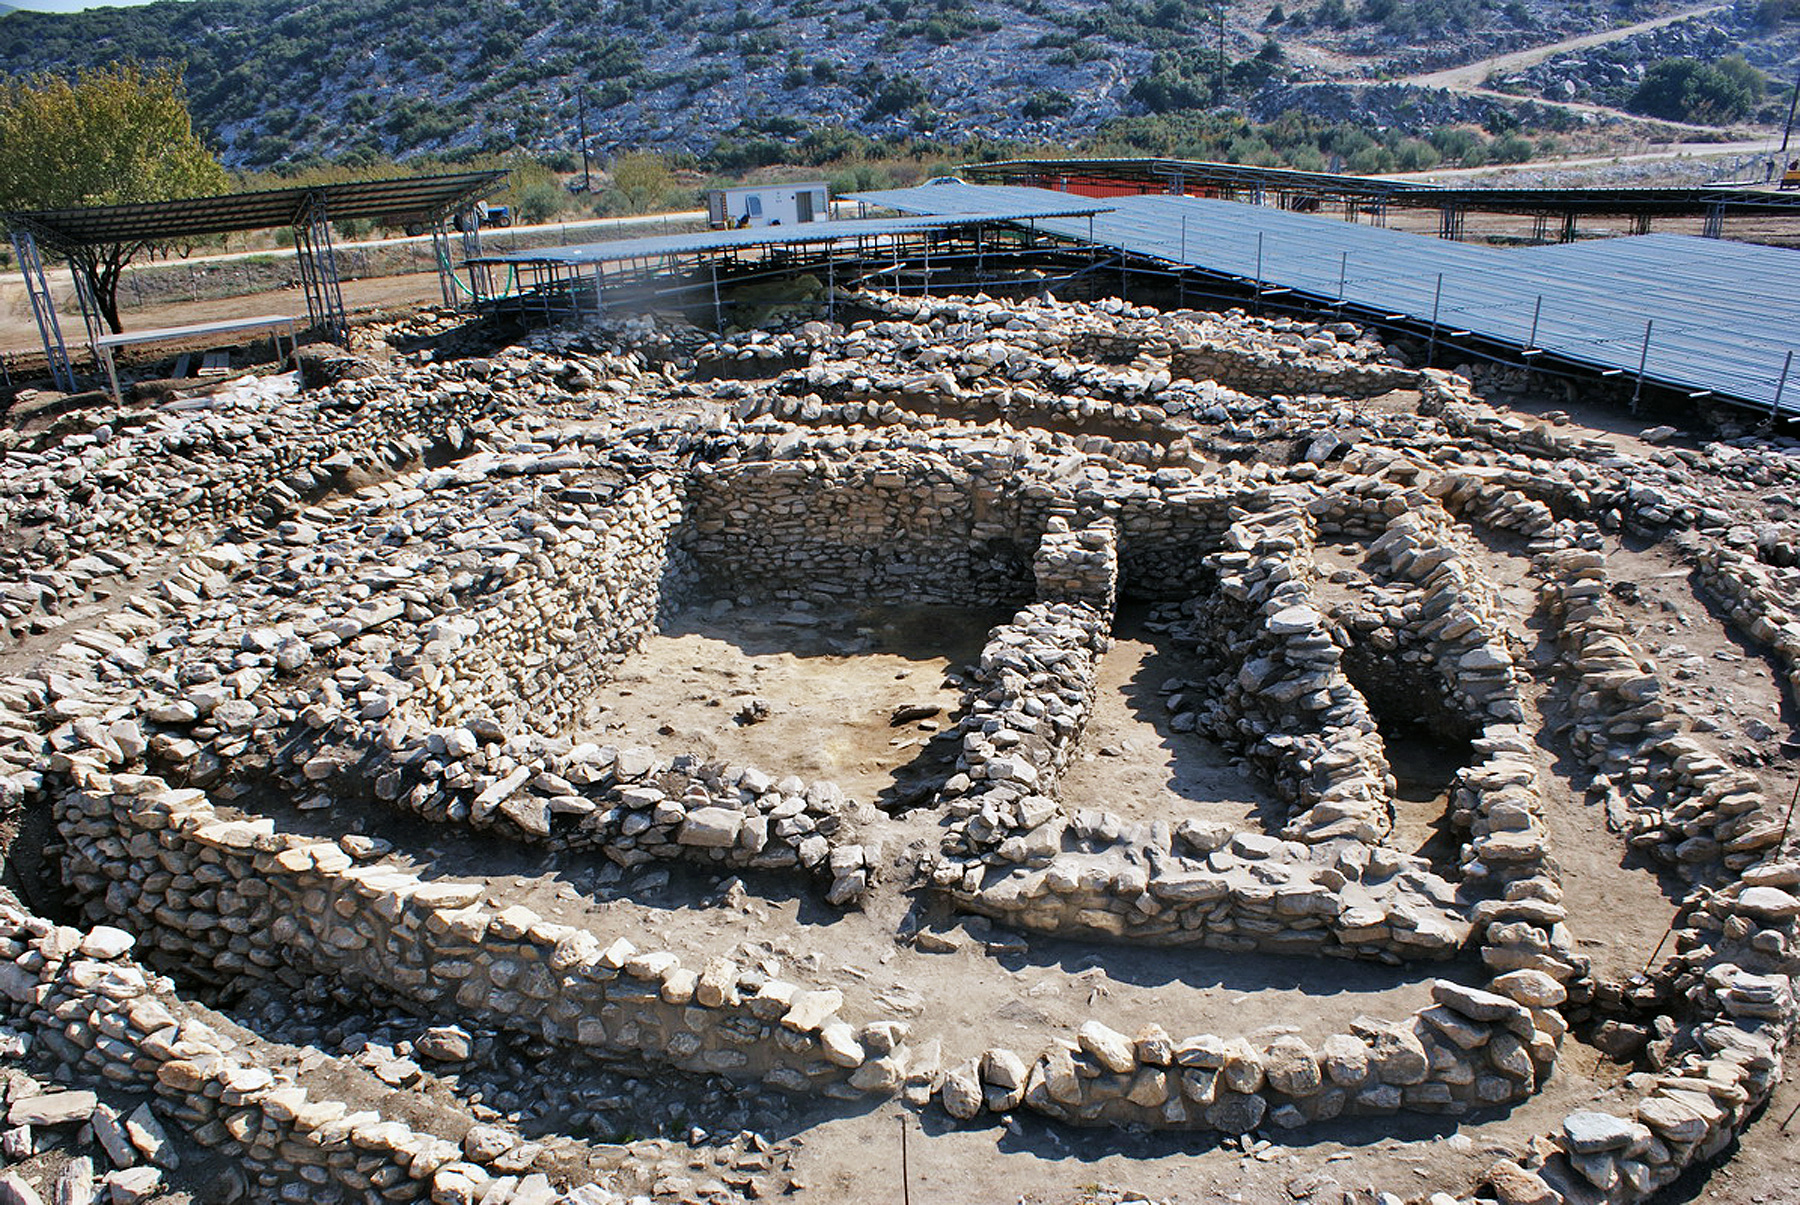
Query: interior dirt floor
point(793, 690)
point(1131, 762)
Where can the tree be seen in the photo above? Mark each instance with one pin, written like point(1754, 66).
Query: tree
point(642, 179)
point(115, 135)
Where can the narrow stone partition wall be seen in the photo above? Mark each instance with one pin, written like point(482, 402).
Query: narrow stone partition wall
point(1458, 632)
point(629, 804)
point(1469, 1049)
point(234, 899)
point(1016, 853)
point(1670, 795)
point(1282, 695)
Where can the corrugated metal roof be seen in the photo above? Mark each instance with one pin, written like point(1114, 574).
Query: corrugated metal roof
point(1723, 315)
point(657, 246)
point(1163, 175)
point(391, 202)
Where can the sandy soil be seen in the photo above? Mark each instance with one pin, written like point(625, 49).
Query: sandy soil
point(829, 683)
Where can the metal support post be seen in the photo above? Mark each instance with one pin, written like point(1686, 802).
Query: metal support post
point(1643, 359)
point(830, 286)
point(1436, 299)
point(90, 314)
point(1183, 238)
point(1257, 283)
point(43, 309)
point(481, 280)
point(1449, 222)
point(319, 271)
point(1788, 129)
point(1343, 278)
point(1781, 385)
point(440, 254)
point(718, 310)
point(1714, 226)
point(1536, 311)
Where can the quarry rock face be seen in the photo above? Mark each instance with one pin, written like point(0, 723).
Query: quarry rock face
point(318, 694)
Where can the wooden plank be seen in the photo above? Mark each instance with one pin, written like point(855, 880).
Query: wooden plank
point(227, 326)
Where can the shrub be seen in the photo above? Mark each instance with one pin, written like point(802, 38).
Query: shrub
point(1047, 102)
point(1511, 148)
point(897, 94)
point(1691, 91)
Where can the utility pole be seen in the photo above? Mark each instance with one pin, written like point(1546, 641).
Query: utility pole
point(587, 179)
point(1221, 68)
point(1788, 130)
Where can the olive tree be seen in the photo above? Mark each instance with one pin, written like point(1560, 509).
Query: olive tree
point(113, 135)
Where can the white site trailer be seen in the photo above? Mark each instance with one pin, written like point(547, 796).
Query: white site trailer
point(769, 204)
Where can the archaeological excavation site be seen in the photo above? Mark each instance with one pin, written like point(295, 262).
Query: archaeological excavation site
point(951, 750)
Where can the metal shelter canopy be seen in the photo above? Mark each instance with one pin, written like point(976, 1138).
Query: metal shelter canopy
point(1172, 174)
point(309, 210)
point(1696, 315)
point(1178, 176)
point(421, 199)
point(658, 246)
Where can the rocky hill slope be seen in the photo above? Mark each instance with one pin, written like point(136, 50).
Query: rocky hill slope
point(273, 79)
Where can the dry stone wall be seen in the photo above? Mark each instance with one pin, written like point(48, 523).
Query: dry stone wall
point(1282, 690)
point(1665, 791)
point(232, 898)
point(380, 635)
point(99, 1013)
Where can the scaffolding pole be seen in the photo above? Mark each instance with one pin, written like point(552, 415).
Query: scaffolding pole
point(43, 309)
point(446, 271)
point(317, 259)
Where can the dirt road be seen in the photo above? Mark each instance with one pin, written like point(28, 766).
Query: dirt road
point(1470, 77)
point(1672, 150)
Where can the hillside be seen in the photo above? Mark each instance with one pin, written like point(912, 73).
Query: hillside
point(279, 79)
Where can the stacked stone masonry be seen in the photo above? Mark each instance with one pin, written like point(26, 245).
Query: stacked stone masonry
point(411, 589)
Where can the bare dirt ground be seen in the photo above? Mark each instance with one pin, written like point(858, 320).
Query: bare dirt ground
point(1130, 762)
point(797, 691)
